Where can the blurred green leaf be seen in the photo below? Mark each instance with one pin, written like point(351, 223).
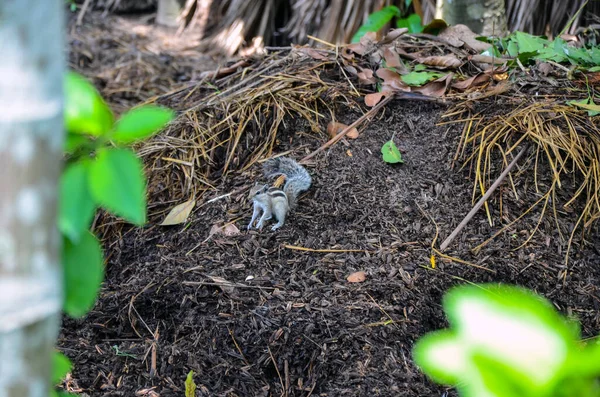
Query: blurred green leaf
point(85, 110)
point(74, 142)
point(76, 203)
point(141, 123)
point(117, 183)
point(530, 43)
point(419, 78)
point(435, 27)
point(83, 272)
point(390, 152)
point(376, 21)
point(413, 23)
point(61, 366)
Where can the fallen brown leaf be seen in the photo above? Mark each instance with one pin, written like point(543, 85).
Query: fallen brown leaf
point(357, 277)
point(334, 128)
point(444, 61)
point(311, 52)
point(365, 76)
point(476, 80)
point(279, 181)
point(349, 153)
point(392, 59)
point(392, 80)
point(436, 88)
point(392, 35)
point(226, 230)
point(374, 98)
point(179, 213)
point(459, 35)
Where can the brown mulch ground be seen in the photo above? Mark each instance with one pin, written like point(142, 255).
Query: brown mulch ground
point(297, 327)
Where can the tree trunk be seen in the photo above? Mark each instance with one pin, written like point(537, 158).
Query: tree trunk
point(485, 17)
point(31, 136)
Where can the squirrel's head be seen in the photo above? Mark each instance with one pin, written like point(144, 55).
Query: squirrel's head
point(257, 189)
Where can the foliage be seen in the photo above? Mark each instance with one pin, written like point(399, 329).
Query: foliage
point(100, 173)
point(505, 341)
point(528, 48)
point(377, 20)
point(390, 153)
point(190, 386)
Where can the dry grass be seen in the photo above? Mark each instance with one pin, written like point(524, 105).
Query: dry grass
point(562, 137)
point(238, 123)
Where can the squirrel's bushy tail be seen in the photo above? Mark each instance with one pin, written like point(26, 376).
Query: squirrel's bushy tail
point(297, 179)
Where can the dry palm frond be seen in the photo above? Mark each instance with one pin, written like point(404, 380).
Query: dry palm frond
point(564, 139)
point(229, 130)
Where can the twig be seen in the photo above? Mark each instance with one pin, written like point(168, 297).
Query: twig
point(482, 200)
point(296, 247)
point(346, 130)
point(84, 8)
point(277, 369)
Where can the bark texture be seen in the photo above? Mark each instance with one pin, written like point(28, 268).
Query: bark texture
point(31, 135)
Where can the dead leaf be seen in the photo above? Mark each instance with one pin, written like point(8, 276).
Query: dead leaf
point(392, 59)
point(226, 286)
point(374, 98)
point(311, 52)
point(391, 80)
point(392, 35)
point(365, 45)
point(279, 181)
point(444, 61)
point(357, 277)
point(351, 69)
point(147, 392)
point(459, 35)
point(365, 76)
point(476, 80)
point(545, 68)
point(334, 128)
point(349, 153)
point(436, 88)
point(228, 230)
point(179, 213)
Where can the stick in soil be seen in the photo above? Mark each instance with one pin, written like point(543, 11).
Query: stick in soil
point(343, 133)
point(482, 200)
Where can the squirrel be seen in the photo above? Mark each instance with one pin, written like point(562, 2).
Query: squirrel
point(273, 201)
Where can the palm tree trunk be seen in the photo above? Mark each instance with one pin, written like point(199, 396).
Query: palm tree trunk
point(31, 135)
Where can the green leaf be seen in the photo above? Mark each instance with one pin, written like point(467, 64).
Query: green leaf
point(390, 152)
point(190, 386)
point(74, 142)
point(61, 366)
point(413, 23)
point(376, 21)
point(419, 78)
point(141, 123)
point(587, 104)
point(83, 272)
point(530, 43)
point(76, 203)
point(117, 183)
point(85, 110)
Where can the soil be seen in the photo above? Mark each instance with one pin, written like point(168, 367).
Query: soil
point(264, 313)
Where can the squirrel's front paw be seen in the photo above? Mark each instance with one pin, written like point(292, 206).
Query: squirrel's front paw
point(277, 226)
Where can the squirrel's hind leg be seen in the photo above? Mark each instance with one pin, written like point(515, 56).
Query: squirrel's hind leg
point(280, 213)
